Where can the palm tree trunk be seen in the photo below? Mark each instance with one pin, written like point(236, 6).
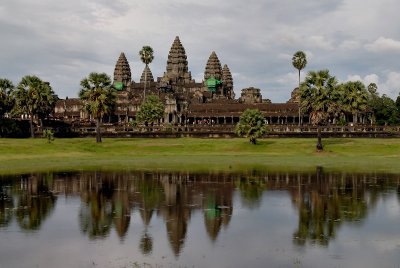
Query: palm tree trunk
point(319, 140)
point(145, 82)
point(299, 100)
point(98, 135)
point(31, 125)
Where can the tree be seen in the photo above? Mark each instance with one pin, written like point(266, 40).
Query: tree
point(373, 99)
point(6, 100)
point(251, 125)
point(354, 98)
point(299, 61)
point(151, 110)
point(98, 96)
point(373, 89)
point(34, 97)
point(398, 103)
point(319, 98)
point(146, 55)
point(48, 101)
point(385, 111)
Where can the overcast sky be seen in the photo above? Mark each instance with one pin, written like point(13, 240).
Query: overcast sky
point(63, 41)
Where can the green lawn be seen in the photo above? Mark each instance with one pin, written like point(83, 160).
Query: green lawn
point(34, 155)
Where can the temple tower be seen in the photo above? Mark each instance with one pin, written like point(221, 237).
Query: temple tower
point(177, 65)
point(227, 82)
point(213, 76)
point(149, 76)
point(122, 72)
point(213, 68)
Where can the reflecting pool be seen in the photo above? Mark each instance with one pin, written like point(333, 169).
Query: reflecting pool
point(253, 219)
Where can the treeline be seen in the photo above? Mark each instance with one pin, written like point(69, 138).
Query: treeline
point(321, 97)
point(326, 100)
point(32, 98)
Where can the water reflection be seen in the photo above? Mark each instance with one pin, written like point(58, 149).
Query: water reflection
point(30, 201)
point(324, 201)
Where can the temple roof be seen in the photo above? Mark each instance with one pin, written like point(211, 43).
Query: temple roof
point(213, 67)
point(236, 109)
point(146, 72)
point(227, 76)
point(122, 71)
point(177, 65)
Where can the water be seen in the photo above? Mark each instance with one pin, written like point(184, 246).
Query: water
point(253, 219)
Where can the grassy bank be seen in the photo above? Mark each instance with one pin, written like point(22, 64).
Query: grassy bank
point(34, 155)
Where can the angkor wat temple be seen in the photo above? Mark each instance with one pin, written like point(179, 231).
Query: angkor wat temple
point(186, 101)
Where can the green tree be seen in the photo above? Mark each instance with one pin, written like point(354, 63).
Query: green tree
point(98, 96)
point(385, 111)
point(320, 99)
point(146, 55)
point(251, 125)
point(373, 99)
point(354, 98)
point(47, 102)
point(299, 61)
point(398, 103)
point(151, 110)
point(6, 100)
point(373, 89)
point(34, 98)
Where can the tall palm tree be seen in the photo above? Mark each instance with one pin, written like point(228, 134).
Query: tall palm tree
point(373, 99)
point(34, 97)
point(6, 101)
point(98, 96)
point(299, 61)
point(146, 55)
point(320, 99)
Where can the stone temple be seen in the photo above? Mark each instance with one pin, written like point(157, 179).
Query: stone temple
point(186, 101)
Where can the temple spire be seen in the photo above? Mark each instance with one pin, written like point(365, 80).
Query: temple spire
point(177, 65)
point(122, 71)
point(227, 81)
point(149, 78)
point(213, 67)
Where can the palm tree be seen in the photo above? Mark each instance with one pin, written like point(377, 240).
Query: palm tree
point(99, 97)
point(299, 61)
point(373, 99)
point(320, 99)
point(251, 125)
point(146, 55)
point(6, 100)
point(34, 97)
point(354, 98)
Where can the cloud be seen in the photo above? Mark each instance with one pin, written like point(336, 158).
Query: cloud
point(289, 78)
point(388, 83)
point(391, 84)
point(350, 44)
point(320, 41)
point(65, 40)
point(384, 45)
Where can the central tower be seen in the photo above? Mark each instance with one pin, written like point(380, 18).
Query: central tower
point(177, 65)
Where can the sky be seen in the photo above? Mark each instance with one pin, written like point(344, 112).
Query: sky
point(63, 41)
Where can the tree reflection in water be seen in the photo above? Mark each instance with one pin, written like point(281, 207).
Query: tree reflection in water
point(6, 203)
point(325, 201)
point(28, 198)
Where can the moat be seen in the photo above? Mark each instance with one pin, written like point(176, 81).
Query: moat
point(183, 219)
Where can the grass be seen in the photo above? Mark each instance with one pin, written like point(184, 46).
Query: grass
point(360, 155)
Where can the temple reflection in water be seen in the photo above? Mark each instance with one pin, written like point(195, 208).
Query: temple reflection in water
point(324, 201)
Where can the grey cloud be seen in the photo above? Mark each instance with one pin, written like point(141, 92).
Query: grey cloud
point(65, 40)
